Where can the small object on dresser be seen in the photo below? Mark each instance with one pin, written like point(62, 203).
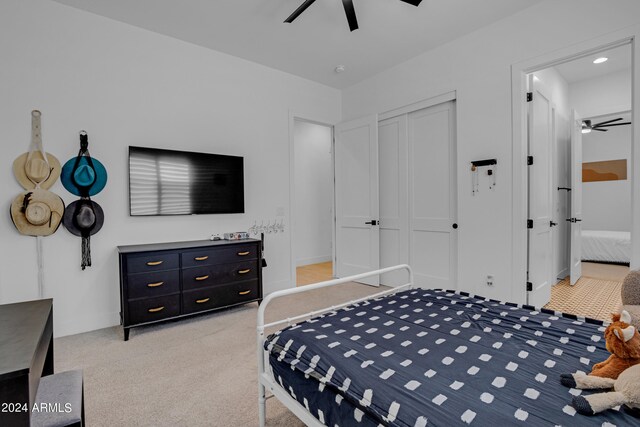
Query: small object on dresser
point(238, 235)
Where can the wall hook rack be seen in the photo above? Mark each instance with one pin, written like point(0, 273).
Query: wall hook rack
point(486, 162)
point(475, 164)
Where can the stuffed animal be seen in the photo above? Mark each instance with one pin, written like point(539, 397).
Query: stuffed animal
point(623, 342)
point(626, 391)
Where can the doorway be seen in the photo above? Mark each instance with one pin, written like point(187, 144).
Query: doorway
point(312, 225)
point(579, 183)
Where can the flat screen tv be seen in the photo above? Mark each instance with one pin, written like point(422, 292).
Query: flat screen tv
point(169, 182)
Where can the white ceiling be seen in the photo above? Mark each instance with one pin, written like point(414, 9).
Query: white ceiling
point(314, 44)
point(584, 68)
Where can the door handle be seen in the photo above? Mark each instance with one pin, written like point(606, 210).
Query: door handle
point(552, 224)
point(574, 220)
point(372, 222)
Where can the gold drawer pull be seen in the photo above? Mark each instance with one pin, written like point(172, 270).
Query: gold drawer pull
point(202, 301)
point(199, 278)
point(155, 285)
point(244, 253)
point(245, 292)
point(152, 263)
point(244, 271)
point(201, 258)
point(155, 310)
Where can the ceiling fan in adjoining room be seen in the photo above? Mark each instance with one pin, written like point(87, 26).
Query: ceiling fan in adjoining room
point(587, 126)
point(348, 10)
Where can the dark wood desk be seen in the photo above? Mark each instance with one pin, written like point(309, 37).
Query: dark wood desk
point(26, 354)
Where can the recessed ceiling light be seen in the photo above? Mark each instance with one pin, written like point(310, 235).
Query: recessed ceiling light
point(600, 60)
point(339, 69)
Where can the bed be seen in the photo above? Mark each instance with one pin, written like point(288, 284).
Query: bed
point(416, 357)
point(606, 246)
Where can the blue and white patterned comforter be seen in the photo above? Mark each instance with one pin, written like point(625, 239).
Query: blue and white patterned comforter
point(438, 358)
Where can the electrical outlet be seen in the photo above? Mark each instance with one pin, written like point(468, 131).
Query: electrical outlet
point(489, 279)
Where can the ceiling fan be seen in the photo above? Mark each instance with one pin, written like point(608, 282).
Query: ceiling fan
point(588, 127)
point(348, 10)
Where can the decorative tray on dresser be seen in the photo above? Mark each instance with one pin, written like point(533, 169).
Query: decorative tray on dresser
point(170, 280)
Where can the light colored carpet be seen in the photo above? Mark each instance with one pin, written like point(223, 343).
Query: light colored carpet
point(589, 297)
point(200, 371)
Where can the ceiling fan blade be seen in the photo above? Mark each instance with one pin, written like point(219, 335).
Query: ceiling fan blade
point(299, 10)
point(351, 14)
point(601, 130)
point(608, 121)
point(612, 124)
point(413, 2)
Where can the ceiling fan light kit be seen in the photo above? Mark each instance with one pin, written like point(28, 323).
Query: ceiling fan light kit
point(349, 11)
point(587, 127)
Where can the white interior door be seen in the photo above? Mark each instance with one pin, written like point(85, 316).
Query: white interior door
point(394, 216)
point(575, 268)
point(432, 196)
point(357, 194)
point(540, 259)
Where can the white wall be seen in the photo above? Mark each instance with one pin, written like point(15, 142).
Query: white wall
point(312, 231)
point(478, 67)
point(607, 94)
point(559, 91)
point(128, 86)
point(606, 205)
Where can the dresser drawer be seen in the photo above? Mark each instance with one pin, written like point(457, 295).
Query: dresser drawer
point(199, 277)
point(219, 296)
point(151, 309)
point(240, 292)
point(153, 284)
point(202, 299)
point(142, 263)
point(222, 255)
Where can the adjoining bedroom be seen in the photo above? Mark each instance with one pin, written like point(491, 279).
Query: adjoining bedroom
point(346, 213)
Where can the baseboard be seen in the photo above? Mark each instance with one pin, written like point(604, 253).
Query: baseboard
point(270, 287)
point(562, 274)
point(79, 325)
point(313, 260)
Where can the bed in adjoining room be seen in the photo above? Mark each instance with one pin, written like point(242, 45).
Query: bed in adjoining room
point(417, 357)
point(606, 246)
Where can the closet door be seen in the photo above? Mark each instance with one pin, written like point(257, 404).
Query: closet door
point(356, 192)
point(432, 196)
point(394, 216)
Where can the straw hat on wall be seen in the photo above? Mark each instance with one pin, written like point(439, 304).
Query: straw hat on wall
point(32, 168)
point(37, 212)
point(36, 168)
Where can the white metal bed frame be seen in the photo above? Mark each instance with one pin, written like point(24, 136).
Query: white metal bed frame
point(266, 379)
